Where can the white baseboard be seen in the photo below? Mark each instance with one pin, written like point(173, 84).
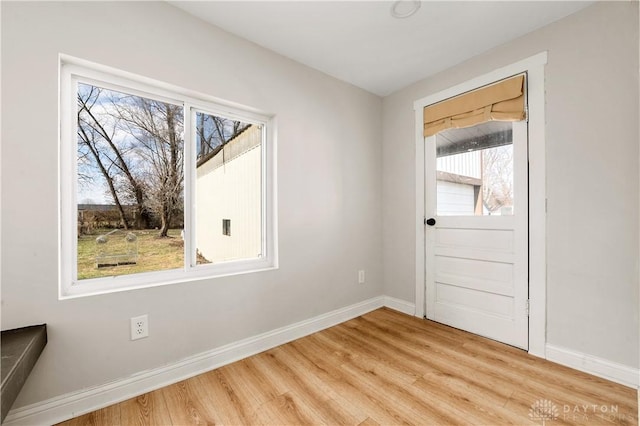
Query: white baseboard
point(74, 404)
point(600, 367)
point(400, 305)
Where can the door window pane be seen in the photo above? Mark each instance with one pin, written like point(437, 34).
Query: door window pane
point(475, 170)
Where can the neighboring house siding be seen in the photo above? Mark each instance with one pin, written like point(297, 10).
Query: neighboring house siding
point(455, 199)
point(228, 186)
point(465, 164)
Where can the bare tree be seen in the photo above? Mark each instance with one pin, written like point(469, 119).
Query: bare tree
point(213, 131)
point(157, 128)
point(118, 168)
point(91, 135)
point(497, 171)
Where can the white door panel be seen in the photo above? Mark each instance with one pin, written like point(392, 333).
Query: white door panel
point(494, 277)
point(471, 253)
point(477, 264)
point(481, 239)
point(479, 301)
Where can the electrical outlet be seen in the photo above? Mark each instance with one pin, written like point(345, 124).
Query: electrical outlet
point(139, 327)
point(361, 276)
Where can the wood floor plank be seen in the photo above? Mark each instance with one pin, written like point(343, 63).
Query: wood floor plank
point(186, 408)
point(534, 374)
point(412, 362)
point(288, 409)
point(435, 357)
point(147, 409)
point(467, 402)
point(347, 387)
point(492, 365)
point(223, 403)
point(250, 383)
point(105, 416)
point(535, 368)
point(324, 382)
point(400, 367)
point(383, 368)
point(285, 369)
point(406, 405)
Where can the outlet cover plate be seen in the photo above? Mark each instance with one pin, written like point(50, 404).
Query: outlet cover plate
point(139, 327)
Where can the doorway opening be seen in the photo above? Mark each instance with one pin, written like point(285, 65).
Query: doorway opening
point(533, 67)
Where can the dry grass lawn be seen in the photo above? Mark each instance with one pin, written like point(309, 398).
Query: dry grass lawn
point(154, 253)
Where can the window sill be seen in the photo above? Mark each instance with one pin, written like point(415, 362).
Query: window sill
point(98, 286)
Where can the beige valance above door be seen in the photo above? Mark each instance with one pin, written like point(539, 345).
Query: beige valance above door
point(502, 101)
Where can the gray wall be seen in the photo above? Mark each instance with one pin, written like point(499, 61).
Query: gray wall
point(592, 176)
point(329, 172)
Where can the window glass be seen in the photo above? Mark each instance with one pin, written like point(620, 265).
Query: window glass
point(228, 189)
point(475, 170)
point(130, 183)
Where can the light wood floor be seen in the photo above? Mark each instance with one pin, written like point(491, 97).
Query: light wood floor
point(380, 369)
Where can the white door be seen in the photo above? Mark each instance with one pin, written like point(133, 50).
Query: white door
point(476, 229)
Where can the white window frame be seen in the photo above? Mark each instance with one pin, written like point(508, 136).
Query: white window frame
point(73, 70)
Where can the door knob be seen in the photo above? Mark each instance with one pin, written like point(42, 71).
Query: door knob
point(431, 221)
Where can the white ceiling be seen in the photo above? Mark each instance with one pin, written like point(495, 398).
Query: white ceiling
point(359, 42)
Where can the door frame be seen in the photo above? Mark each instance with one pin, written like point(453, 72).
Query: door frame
point(534, 67)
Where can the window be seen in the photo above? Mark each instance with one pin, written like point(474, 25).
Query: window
point(226, 227)
point(474, 173)
point(148, 172)
point(474, 147)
